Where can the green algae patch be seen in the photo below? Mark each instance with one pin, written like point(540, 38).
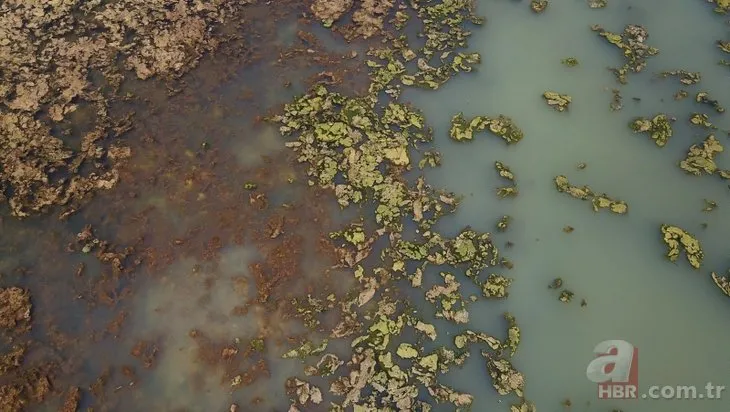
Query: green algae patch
point(570, 62)
point(506, 173)
point(597, 4)
point(700, 158)
point(557, 283)
point(502, 126)
point(359, 149)
point(659, 128)
point(503, 223)
point(632, 43)
point(566, 296)
point(678, 240)
point(407, 351)
point(701, 120)
point(616, 100)
point(599, 201)
point(704, 98)
point(450, 305)
point(721, 6)
point(710, 205)
point(722, 282)
point(685, 77)
point(305, 350)
point(496, 286)
point(431, 158)
point(505, 378)
point(557, 101)
point(507, 191)
point(512, 342)
point(538, 6)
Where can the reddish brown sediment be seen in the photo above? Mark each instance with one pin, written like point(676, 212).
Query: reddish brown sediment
point(156, 154)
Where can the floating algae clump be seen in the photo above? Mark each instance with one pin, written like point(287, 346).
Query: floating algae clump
point(503, 223)
point(659, 128)
point(684, 76)
point(724, 46)
point(557, 101)
point(599, 201)
point(570, 62)
point(502, 126)
point(702, 120)
point(496, 286)
point(722, 282)
point(506, 173)
point(450, 304)
point(597, 4)
point(701, 158)
point(538, 6)
point(704, 98)
point(722, 6)
point(566, 296)
point(632, 44)
point(678, 239)
point(359, 149)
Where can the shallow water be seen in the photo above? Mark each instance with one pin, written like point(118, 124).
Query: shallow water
point(672, 313)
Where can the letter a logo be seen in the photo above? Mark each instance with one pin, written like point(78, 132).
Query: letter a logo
point(613, 363)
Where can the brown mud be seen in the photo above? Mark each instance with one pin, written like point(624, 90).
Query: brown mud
point(68, 286)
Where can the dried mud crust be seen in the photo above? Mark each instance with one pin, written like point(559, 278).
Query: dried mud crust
point(62, 56)
point(18, 384)
point(367, 20)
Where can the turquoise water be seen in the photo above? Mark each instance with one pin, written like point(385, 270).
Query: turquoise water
point(672, 313)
